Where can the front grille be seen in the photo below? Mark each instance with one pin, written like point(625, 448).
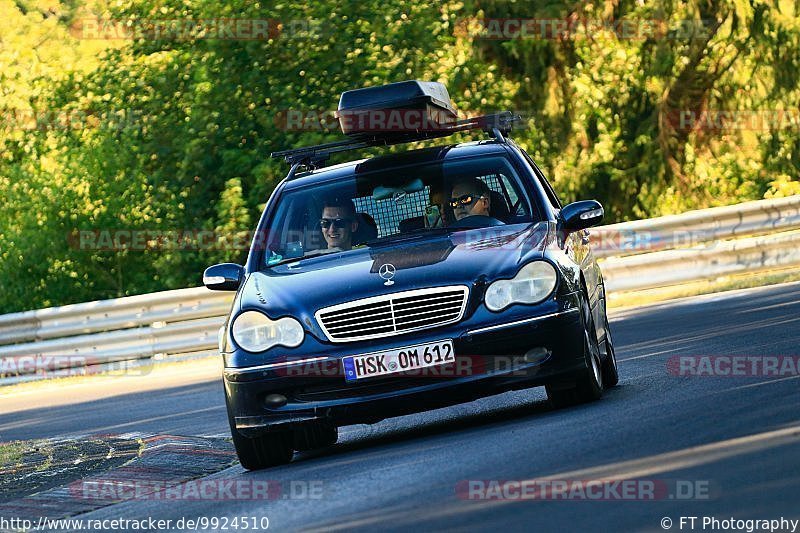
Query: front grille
point(382, 316)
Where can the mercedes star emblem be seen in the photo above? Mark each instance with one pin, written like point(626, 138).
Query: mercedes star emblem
point(386, 272)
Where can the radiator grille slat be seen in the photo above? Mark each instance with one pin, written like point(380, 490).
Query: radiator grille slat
point(349, 327)
point(393, 314)
point(431, 320)
point(424, 308)
point(383, 315)
point(360, 310)
point(420, 314)
point(406, 301)
point(427, 303)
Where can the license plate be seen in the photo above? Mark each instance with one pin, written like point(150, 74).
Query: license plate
point(398, 360)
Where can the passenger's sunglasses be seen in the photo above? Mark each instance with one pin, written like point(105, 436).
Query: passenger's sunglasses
point(467, 199)
point(337, 223)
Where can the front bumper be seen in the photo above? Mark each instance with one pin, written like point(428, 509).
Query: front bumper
point(515, 354)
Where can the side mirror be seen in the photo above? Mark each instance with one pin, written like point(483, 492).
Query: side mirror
point(224, 277)
point(580, 215)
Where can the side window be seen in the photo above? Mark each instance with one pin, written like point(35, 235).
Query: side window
point(548, 189)
point(506, 201)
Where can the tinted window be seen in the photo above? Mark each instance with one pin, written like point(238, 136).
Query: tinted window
point(381, 203)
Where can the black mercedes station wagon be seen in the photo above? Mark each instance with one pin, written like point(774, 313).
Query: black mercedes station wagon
point(408, 281)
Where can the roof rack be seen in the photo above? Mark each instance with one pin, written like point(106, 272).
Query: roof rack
point(497, 125)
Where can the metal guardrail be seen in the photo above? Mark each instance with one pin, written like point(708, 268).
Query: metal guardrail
point(111, 315)
point(704, 225)
point(635, 255)
point(719, 258)
point(163, 323)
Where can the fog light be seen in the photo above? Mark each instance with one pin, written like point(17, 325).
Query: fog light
point(537, 355)
point(273, 401)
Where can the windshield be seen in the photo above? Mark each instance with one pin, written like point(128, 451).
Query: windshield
point(374, 205)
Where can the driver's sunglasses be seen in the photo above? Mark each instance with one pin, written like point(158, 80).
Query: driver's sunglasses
point(338, 223)
point(467, 199)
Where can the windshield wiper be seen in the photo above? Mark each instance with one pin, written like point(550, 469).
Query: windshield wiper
point(303, 258)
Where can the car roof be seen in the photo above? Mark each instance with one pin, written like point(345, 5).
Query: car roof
point(415, 157)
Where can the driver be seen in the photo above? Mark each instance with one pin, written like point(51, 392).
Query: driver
point(338, 223)
point(471, 198)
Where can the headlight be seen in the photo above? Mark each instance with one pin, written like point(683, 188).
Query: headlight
point(256, 332)
point(532, 284)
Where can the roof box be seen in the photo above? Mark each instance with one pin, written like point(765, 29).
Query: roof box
point(397, 108)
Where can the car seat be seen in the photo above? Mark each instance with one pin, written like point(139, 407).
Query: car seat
point(367, 229)
point(499, 207)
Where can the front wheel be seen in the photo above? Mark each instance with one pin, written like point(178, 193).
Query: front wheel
point(315, 435)
point(609, 367)
point(263, 451)
point(588, 382)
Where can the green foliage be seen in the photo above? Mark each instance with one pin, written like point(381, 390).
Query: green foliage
point(174, 135)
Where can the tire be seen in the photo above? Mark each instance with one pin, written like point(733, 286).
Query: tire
point(609, 367)
point(588, 383)
point(264, 451)
point(313, 436)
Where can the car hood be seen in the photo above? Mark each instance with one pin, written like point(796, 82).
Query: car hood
point(300, 288)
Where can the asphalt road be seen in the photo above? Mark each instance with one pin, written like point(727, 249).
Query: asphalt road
point(738, 436)
point(179, 399)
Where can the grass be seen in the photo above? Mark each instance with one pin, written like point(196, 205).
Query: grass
point(11, 454)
